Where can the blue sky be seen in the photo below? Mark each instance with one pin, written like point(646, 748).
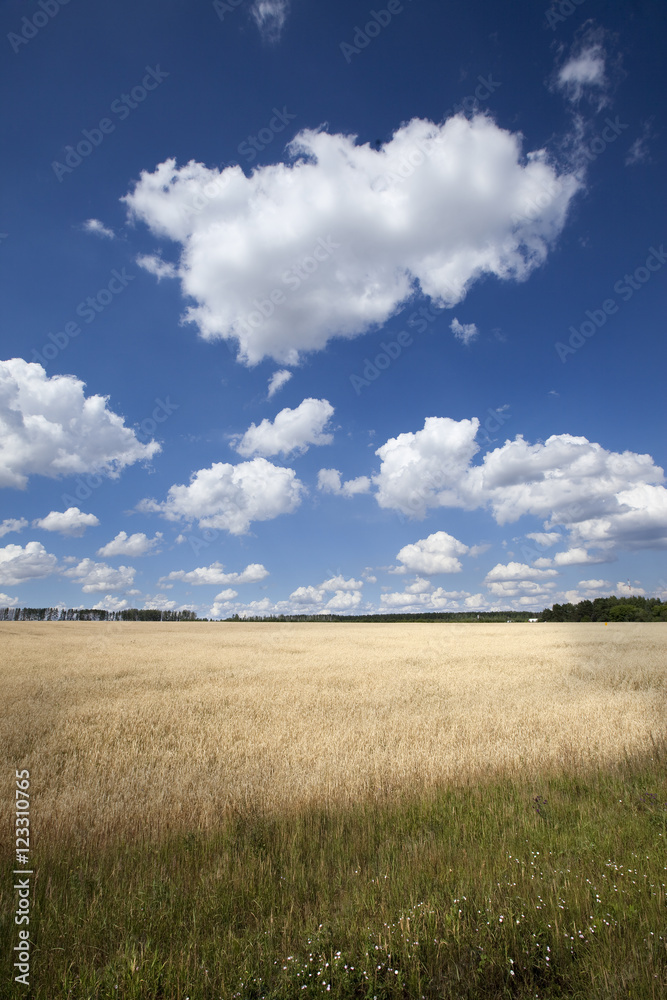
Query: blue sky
point(332, 307)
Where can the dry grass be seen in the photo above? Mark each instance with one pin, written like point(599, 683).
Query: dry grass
point(142, 729)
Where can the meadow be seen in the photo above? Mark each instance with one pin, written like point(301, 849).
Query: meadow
point(353, 810)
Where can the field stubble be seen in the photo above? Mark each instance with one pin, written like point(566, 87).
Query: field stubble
point(140, 730)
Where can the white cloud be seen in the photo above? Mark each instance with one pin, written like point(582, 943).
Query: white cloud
point(517, 588)
point(478, 550)
point(635, 519)
point(563, 479)
point(329, 481)
point(159, 603)
point(231, 497)
point(344, 600)
point(435, 554)
point(639, 150)
point(8, 602)
point(12, 524)
point(340, 583)
point(226, 595)
point(585, 68)
point(603, 498)
point(97, 577)
point(410, 600)
point(577, 557)
point(427, 468)
point(70, 522)
point(346, 593)
point(48, 427)
point(270, 16)
point(518, 571)
point(110, 603)
point(98, 229)
point(344, 234)
point(475, 602)
point(157, 267)
point(130, 545)
point(545, 538)
point(419, 586)
point(19, 564)
point(258, 608)
point(277, 381)
point(465, 332)
point(593, 584)
point(307, 595)
point(292, 430)
point(219, 610)
point(626, 590)
point(214, 574)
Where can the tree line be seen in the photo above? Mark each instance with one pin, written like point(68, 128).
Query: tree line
point(609, 609)
point(601, 609)
point(94, 615)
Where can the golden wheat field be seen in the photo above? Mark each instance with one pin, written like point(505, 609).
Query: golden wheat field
point(137, 729)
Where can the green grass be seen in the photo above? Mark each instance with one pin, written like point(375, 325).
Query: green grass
point(478, 891)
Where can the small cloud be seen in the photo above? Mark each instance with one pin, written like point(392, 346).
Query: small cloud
point(159, 603)
point(71, 522)
point(584, 74)
point(155, 265)
point(12, 524)
point(552, 392)
point(110, 603)
point(329, 481)
point(292, 430)
point(545, 538)
point(270, 17)
point(639, 152)
point(225, 595)
point(277, 381)
point(133, 545)
point(586, 68)
point(578, 557)
point(465, 332)
point(98, 228)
